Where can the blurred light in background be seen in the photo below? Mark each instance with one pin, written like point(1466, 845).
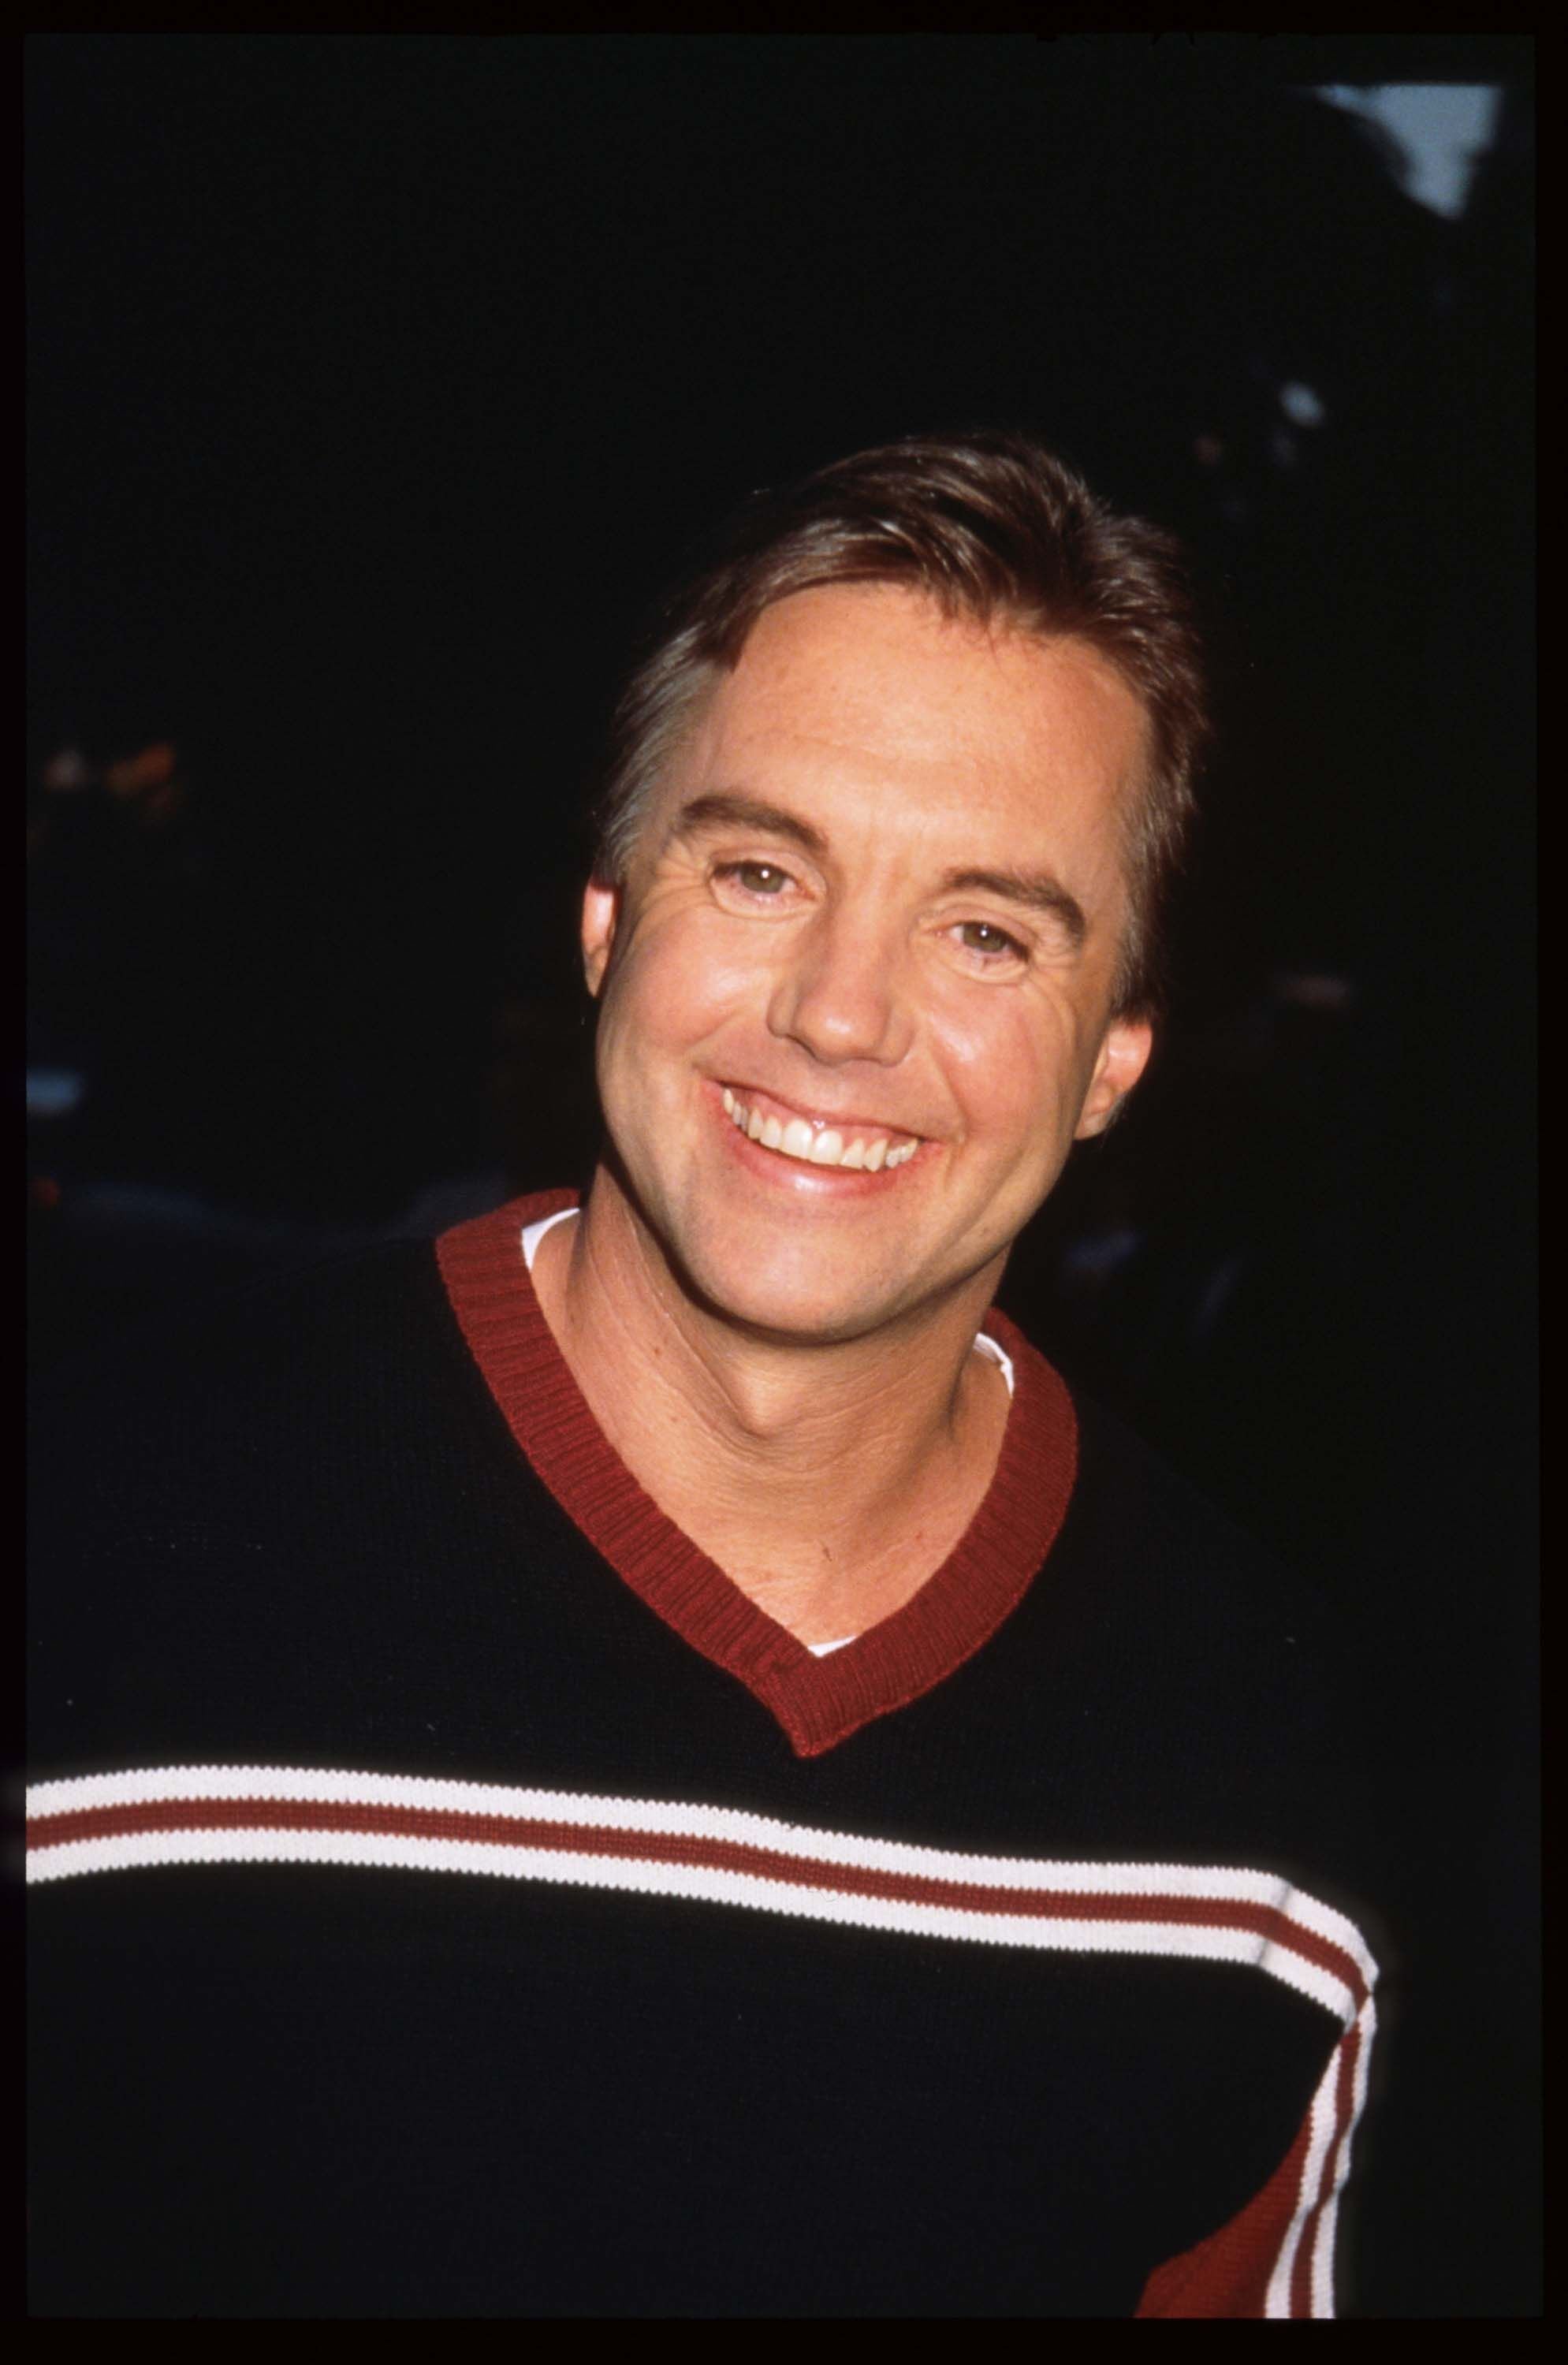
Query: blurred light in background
point(67, 772)
point(1441, 129)
point(55, 1092)
point(1301, 404)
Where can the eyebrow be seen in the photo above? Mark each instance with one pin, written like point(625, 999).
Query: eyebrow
point(1033, 891)
point(721, 809)
point(1036, 890)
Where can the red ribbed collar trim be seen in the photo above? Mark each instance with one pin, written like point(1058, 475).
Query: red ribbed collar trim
point(818, 1702)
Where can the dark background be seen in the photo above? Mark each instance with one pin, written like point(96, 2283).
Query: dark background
point(376, 382)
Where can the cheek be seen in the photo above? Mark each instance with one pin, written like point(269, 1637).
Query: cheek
point(675, 984)
point(1005, 1064)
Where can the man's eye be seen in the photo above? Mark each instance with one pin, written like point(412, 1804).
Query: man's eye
point(984, 936)
point(756, 877)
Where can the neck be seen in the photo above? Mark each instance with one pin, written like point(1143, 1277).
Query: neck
point(828, 1480)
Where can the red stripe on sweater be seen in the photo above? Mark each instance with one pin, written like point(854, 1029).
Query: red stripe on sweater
point(1344, 2118)
point(1228, 2273)
point(690, 1850)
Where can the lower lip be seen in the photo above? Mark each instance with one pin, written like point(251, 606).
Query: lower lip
point(812, 1181)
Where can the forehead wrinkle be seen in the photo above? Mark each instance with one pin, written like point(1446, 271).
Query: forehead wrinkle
point(829, 665)
point(827, 671)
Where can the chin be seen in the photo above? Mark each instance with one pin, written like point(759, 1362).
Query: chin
point(783, 1301)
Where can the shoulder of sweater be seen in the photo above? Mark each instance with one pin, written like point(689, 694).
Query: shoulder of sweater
point(261, 1402)
point(243, 1479)
point(1207, 1635)
point(1131, 1494)
point(244, 1340)
point(1194, 1615)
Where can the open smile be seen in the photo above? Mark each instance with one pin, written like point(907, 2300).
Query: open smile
point(811, 1140)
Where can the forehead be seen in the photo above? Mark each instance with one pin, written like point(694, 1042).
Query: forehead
point(854, 689)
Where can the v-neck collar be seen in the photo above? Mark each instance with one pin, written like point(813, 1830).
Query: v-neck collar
point(818, 1702)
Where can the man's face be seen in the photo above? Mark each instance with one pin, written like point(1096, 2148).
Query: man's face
point(877, 903)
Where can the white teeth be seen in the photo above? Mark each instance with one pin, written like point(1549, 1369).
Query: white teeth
point(796, 1140)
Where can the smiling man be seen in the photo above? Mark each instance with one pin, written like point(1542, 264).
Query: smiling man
point(859, 996)
point(656, 1762)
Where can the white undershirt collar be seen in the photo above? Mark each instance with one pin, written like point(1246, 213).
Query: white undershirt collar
point(534, 1233)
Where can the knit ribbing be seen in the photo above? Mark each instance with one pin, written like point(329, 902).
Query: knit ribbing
point(818, 1702)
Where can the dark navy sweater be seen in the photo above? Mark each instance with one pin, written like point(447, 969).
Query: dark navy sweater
point(450, 1897)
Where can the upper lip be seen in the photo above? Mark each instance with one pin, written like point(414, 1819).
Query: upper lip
point(822, 1119)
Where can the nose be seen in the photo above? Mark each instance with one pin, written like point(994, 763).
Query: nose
point(842, 995)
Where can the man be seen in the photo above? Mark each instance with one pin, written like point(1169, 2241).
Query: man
point(890, 1828)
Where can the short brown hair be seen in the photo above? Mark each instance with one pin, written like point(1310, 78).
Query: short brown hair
point(992, 526)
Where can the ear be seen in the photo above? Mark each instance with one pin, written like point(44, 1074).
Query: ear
point(601, 910)
point(1124, 1054)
